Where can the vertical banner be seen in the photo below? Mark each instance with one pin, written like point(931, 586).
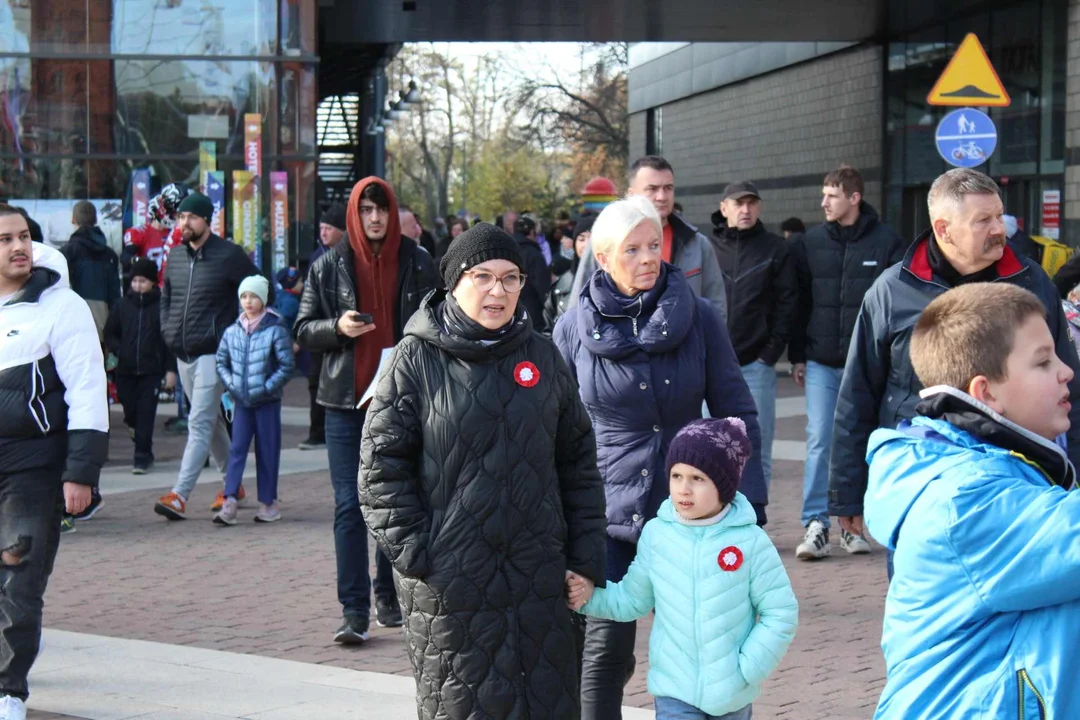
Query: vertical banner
point(140, 197)
point(253, 164)
point(207, 161)
point(215, 190)
point(245, 230)
point(1051, 214)
point(279, 218)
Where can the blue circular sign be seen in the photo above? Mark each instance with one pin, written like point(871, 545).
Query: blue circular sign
point(966, 137)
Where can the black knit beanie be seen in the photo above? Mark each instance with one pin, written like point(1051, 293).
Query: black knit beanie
point(197, 204)
point(146, 268)
point(476, 245)
point(334, 216)
point(584, 224)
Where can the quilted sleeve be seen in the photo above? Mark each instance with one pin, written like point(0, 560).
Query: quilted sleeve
point(390, 447)
point(632, 597)
point(580, 483)
point(777, 609)
point(223, 363)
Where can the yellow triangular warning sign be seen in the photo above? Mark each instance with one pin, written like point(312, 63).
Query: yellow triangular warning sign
point(969, 79)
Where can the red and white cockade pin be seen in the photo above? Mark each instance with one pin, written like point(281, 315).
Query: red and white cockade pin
point(526, 374)
point(730, 559)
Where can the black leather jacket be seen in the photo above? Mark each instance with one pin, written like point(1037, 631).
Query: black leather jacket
point(330, 292)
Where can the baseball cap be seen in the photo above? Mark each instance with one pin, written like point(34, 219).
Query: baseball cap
point(739, 190)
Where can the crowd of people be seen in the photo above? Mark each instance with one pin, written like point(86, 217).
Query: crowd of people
point(553, 430)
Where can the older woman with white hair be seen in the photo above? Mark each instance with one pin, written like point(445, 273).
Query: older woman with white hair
point(647, 353)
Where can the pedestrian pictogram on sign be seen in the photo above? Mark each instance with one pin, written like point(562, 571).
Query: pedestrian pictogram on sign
point(969, 79)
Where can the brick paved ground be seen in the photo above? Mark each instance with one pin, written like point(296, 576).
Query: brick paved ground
point(269, 590)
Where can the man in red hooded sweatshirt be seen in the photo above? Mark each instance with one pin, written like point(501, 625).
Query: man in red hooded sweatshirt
point(358, 297)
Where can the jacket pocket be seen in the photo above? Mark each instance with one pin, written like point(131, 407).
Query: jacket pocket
point(1030, 704)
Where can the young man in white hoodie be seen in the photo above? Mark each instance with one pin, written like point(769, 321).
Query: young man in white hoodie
point(54, 425)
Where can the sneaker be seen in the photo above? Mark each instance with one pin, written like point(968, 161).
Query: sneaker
point(142, 468)
point(353, 632)
point(227, 516)
point(854, 544)
point(312, 444)
point(388, 615)
point(96, 503)
point(268, 513)
point(12, 708)
point(816, 543)
point(176, 426)
point(131, 432)
point(171, 506)
point(241, 496)
point(67, 526)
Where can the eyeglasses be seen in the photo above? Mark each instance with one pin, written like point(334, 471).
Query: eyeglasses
point(370, 210)
point(485, 281)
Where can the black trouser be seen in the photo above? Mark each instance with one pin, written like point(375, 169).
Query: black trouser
point(31, 505)
point(318, 412)
point(139, 396)
point(607, 666)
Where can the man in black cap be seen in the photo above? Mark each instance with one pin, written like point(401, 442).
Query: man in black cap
point(198, 302)
point(762, 290)
point(331, 231)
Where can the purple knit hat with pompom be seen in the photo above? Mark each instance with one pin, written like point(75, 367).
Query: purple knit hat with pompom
point(717, 447)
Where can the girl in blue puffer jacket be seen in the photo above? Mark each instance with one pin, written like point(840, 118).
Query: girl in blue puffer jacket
point(254, 361)
point(725, 610)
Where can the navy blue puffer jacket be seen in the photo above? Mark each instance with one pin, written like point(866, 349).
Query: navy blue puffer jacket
point(644, 369)
point(254, 368)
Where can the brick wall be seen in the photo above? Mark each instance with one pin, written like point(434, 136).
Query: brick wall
point(1070, 222)
point(784, 130)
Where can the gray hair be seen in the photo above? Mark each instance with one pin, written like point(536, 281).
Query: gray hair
point(619, 219)
point(951, 188)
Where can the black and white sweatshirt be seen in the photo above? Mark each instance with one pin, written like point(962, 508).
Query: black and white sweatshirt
point(53, 399)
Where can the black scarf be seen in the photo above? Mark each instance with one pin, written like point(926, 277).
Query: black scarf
point(458, 323)
point(940, 265)
point(966, 413)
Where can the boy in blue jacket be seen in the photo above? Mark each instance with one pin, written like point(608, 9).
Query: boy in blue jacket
point(254, 362)
point(973, 495)
point(725, 610)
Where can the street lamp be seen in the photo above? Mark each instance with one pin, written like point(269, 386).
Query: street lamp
point(412, 97)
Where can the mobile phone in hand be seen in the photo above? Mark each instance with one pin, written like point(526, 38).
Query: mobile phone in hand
point(365, 318)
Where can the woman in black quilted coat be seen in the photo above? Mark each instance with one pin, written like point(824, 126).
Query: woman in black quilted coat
point(478, 479)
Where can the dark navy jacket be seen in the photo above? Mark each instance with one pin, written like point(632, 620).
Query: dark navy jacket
point(642, 387)
point(880, 388)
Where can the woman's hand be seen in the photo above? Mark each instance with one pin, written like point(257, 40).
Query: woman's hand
point(579, 590)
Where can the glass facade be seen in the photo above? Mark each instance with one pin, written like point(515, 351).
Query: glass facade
point(1027, 45)
point(91, 90)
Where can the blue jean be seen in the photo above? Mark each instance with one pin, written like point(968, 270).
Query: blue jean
point(263, 424)
point(761, 379)
point(672, 709)
point(343, 429)
point(822, 390)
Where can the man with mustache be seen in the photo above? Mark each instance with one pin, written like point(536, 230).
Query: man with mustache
point(965, 244)
point(54, 425)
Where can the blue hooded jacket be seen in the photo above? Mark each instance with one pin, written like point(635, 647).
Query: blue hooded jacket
point(644, 366)
point(983, 613)
point(255, 367)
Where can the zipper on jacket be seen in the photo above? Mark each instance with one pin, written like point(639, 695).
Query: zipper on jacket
point(699, 690)
point(138, 345)
point(1022, 680)
point(633, 318)
point(187, 302)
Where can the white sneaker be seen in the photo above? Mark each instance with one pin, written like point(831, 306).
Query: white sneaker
point(12, 708)
point(854, 544)
point(816, 543)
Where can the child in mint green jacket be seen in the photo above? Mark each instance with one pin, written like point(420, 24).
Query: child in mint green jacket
point(725, 610)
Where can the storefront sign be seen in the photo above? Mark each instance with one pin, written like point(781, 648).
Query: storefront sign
point(969, 79)
point(140, 197)
point(1051, 214)
point(244, 213)
point(279, 218)
point(214, 127)
point(215, 190)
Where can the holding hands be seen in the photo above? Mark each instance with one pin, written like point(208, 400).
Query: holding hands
point(579, 590)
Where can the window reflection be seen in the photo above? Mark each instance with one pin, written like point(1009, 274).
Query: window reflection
point(211, 27)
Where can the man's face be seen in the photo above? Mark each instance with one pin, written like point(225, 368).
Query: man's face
point(330, 235)
point(1035, 391)
point(16, 253)
point(659, 187)
point(192, 227)
point(508, 221)
point(972, 235)
point(742, 212)
point(374, 219)
point(409, 227)
point(836, 204)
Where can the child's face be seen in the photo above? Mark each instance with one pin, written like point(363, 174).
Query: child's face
point(1035, 393)
point(141, 285)
point(693, 492)
point(251, 303)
